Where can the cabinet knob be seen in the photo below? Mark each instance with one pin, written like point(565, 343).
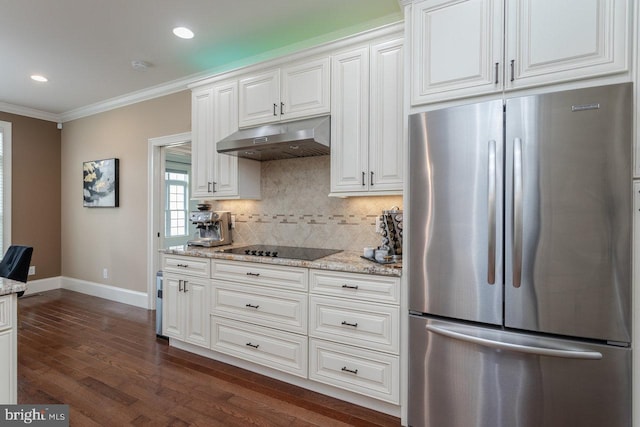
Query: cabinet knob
point(252, 306)
point(352, 371)
point(252, 345)
point(345, 323)
point(282, 108)
point(345, 286)
point(274, 108)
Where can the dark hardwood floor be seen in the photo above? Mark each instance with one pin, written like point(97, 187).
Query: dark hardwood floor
point(103, 359)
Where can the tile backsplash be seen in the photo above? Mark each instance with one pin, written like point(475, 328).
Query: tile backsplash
point(295, 209)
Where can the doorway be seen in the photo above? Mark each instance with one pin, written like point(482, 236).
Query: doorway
point(175, 149)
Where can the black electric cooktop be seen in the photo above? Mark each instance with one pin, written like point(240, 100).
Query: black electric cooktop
point(290, 252)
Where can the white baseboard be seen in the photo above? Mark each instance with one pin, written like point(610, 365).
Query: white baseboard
point(113, 293)
point(42, 285)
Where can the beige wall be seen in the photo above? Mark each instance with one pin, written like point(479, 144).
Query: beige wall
point(114, 238)
point(35, 193)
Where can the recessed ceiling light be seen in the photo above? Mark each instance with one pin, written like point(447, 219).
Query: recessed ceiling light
point(183, 32)
point(39, 78)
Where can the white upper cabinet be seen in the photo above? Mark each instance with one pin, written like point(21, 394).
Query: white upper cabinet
point(458, 44)
point(219, 176)
point(287, 93)
point(551, 40)
point(367, 120)
point(202, 146)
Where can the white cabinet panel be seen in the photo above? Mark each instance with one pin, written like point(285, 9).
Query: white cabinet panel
point(7, 369)
point(370, 373)
point(551, 40)
point(260, 305)
point(196, 298)
point(298, 90)
point(192, 266)
point(306, 89)
point(364, 287)
point(362, 324)
point(172, 307)
point(260, 98)
point(456, 46)
point(367, 120)
point(219, 176)
point(202, 146)
point(253, 273)
point(276, 349)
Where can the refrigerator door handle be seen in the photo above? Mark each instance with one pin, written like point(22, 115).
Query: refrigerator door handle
point(491, 270)
point(517, 212)
point(519, 348)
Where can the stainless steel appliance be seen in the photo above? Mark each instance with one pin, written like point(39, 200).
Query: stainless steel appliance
point(301, 138)
point(213, 228)
point(289, 252)
point(519, 262)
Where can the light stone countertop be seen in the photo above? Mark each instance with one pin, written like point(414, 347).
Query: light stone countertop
point(348, 261)
point(8, 286)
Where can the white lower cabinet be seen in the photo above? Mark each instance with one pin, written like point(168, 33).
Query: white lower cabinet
point(259, 314)
point(185, 314)
point(269, 347)
point(370, 373)
point(354, 333)
point(8, 350)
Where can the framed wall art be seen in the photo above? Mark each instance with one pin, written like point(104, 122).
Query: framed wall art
point(100, 183)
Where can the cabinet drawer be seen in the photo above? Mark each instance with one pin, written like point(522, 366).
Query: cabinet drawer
point(263, 306)
point(192, 266)
point(261, 274)
point(366, 372)
point(275, 349)
point(6, 312)
point(373, 326)
point(356, 286)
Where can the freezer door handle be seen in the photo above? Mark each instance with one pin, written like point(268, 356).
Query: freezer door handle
point(517, 212)
point(491, 196)
point(519, 348)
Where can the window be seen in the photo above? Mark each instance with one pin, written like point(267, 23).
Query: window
point(177, 197)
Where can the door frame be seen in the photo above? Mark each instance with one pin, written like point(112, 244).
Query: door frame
point(154, 196)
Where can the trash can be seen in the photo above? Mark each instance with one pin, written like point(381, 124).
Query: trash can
point(159, 305)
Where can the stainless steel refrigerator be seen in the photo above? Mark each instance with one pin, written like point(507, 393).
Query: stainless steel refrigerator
point(519, 262)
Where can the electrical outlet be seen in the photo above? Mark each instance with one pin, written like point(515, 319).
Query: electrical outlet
point(233, 221)
point(105, 273)
point(32, 270)
point(378, 225)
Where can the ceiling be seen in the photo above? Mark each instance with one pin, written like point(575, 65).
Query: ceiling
point(85, 47)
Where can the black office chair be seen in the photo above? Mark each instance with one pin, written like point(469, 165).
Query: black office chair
point(15, 264)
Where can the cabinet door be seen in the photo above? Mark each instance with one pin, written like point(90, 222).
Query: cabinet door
point(551, 40)
point(457, 49)
point(172, 307)
point(7, 368)
point(196, 300)
point(305, 89)
point(386, 118)
point(350, 121)
point(202, 144)
point(225, 122)
point(260, 98)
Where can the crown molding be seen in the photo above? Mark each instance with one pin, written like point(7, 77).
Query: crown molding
point(30, 112)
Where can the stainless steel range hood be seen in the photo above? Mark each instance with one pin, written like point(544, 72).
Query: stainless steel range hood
point(302, 138)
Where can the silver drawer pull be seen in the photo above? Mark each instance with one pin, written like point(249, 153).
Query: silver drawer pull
point(252, 274)
point(350, 286)
point(182, 265)
point(344, 322)
point(353, 371)
point(253, 345)
point(252, 306)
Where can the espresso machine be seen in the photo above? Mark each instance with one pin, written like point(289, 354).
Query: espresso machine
point(213, 228)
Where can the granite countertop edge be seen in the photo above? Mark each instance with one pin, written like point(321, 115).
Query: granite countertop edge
point(347, 261)
point(8, 286)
